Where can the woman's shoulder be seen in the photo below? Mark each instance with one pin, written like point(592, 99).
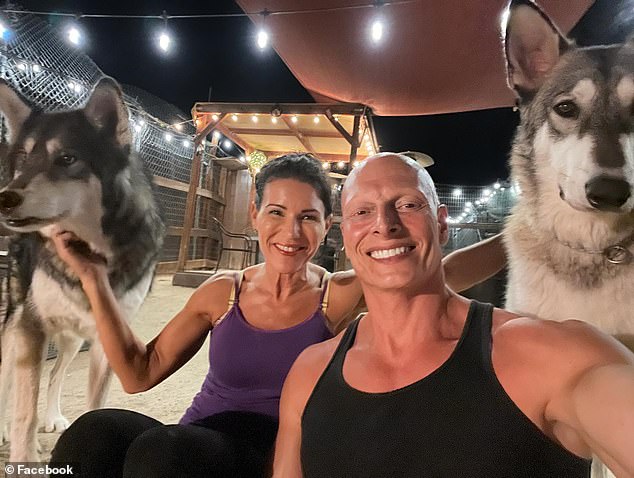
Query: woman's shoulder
point(213, 294)
point(345, 279)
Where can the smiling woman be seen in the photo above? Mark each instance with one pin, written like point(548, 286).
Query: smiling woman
point(262, 317)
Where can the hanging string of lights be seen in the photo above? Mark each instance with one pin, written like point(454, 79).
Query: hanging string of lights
point(74, 33)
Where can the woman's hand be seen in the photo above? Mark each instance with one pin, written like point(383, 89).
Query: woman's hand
point(85, 263)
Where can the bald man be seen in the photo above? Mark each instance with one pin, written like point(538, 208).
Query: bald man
point(430, 384)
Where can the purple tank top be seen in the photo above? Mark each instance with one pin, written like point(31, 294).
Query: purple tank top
point(247, 365)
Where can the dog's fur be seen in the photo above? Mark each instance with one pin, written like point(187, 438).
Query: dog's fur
point(573, 158)
point(71, 171)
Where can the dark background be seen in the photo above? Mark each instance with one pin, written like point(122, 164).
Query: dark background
point(217, 59)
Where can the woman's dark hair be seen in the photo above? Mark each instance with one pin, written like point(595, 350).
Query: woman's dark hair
point(301, 167)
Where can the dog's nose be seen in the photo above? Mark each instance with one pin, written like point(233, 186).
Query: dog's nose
point(606, 193)
point(9, 200)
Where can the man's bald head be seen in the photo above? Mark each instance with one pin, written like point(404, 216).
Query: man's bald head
point(383, 160)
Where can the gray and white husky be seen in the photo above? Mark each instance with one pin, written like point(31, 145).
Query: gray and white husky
point(570, 238)
point(71, 171)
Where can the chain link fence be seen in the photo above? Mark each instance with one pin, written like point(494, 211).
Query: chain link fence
point(52, 76)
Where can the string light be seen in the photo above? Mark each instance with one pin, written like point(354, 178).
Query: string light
point(216, 134)
point(294, 119)
point(254, 119)
point(316, 119)
point(165, 41)
point(226, 144)
point(214, 117)
point(74, 35)
point(325, 165)
point(273, 120)
point(376, 31)
point(234, 118)
point(262, 39)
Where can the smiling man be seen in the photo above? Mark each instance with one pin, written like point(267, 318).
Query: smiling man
point(431, 384)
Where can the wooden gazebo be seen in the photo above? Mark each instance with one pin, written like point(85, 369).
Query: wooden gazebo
point(339, 135)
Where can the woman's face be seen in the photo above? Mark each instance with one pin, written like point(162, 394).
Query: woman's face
point(290, 224)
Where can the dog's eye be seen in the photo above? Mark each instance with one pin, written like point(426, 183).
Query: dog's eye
point(66, 159)
point(567, 109)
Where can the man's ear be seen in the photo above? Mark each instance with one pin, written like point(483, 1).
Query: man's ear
point(443, 228)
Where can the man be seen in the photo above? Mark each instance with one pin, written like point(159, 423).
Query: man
point(428, 384)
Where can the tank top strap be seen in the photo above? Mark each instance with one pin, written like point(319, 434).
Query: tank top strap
point(235, 290)
point(347, 341)
point(477, 338)
point(325, 292)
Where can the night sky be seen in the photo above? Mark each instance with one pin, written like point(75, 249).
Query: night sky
point(217, 59)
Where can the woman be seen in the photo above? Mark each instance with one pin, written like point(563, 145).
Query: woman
point(262, 318)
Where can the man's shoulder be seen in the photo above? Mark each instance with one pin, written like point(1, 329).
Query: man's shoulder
point(570, 342)
point(311, 364)
point(316, 357)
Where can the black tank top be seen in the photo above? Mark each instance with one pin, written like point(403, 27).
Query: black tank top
point(456, 422)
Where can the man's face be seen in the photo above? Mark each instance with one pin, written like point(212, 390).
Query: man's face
point(390, 232)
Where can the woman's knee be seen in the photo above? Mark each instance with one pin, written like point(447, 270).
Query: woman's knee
point(180, 450)
point(99, 439)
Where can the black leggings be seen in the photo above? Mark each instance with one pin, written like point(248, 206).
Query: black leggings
point(111, 443)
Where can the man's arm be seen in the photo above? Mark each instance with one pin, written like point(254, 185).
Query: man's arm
point(603, 405)
point(298, 387)
point(287, 462)
point(471, 265)
point(597, 398)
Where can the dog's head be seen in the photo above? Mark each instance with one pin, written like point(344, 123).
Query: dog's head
point(577, 108)
point(56, 159)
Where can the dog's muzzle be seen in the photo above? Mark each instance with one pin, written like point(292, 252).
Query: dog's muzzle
point(607, 193)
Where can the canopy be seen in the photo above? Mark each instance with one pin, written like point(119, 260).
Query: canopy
point(437, 56)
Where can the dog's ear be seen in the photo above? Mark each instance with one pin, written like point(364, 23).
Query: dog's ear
point(532, 45)
point(107, 111)
point(14, 109)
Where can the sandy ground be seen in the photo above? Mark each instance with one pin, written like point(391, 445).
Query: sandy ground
point(166, 402)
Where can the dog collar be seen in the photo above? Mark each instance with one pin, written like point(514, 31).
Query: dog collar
point(615, 254)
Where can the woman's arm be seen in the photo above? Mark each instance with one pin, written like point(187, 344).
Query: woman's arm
point(139, 366)
point(471, 265)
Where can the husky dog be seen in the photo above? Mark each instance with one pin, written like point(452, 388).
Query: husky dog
point(71, 171)
point(570, 238)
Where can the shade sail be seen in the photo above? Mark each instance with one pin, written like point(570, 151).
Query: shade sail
point(437, 56)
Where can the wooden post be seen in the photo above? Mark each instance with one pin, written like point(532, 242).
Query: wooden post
point(194, 180)
point(355, 136)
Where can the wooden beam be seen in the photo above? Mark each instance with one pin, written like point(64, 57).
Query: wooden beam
point(224, 129)
point(208, 128)
point(195, 232)
point(283, 132)
point(347, 136)
point(330, 157)
point(302, 139)
point(170, 183)
point(355, 134)
point(181, 186)
point(352, 109)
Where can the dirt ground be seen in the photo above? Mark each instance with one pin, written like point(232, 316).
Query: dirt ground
point(166, 402)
